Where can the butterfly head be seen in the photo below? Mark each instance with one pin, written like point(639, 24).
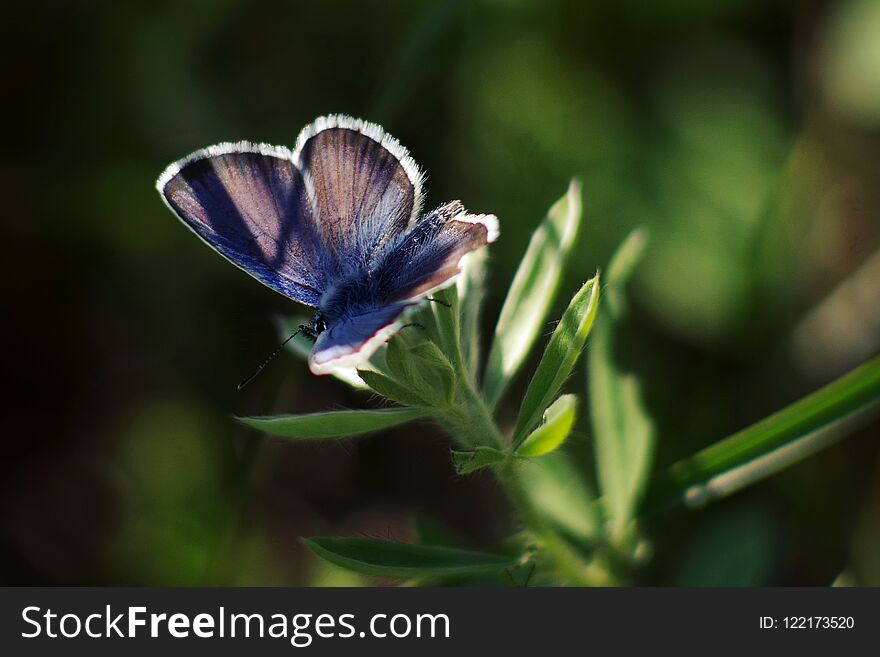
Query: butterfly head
point(315, 327)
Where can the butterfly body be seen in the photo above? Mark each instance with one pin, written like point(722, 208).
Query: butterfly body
point(335, 224)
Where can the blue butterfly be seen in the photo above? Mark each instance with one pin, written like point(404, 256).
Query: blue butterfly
point(335, 225)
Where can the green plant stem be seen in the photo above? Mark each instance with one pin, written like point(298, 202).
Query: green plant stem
point(475, 419)
point(469, 420)
point(570, 563)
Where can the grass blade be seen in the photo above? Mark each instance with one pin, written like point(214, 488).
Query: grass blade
point(392, 559)
point(559, 357)
point(332, 424)
point(532, 293)
point(735, 479)
point(559, 419)
point(839, 399)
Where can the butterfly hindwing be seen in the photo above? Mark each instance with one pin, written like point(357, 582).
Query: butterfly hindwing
point(352, 339)
point(364, 187)
point(427, 258)
point(248, 202)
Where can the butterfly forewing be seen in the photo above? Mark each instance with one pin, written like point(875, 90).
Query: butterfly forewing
point(364, 188)
point(249, 203)
point(427, 258)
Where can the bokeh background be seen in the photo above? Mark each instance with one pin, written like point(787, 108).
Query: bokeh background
point(745, 134)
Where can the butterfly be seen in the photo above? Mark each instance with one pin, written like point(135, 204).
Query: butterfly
point(336, 224)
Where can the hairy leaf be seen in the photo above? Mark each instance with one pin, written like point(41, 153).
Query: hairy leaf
point(391, 389)
point(560, 357)
point(332, 424)
point(479, 458)
point(392, 559)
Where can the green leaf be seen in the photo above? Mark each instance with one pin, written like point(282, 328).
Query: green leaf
point(559, 419)
point(532, 293)
point(433, 372)
point(854, 394)
point(622, 430)
point(621, 267)
point(422, 369)
point(391, 389)
point(396, 360)
point(471, 288)
point(390, 559)
point(332, 424)
point(481, 457)
point(446, 322)
point(560, 494)
point(560, 357)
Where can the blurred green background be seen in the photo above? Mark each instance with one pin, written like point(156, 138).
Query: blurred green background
point(744, 134)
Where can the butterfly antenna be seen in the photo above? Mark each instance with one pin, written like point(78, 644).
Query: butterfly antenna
point(268, 360)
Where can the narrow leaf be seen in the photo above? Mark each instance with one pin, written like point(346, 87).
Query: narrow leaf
point(432, 371)
point(391, 389)
point(471, 287)
point(559, 357)
point(532, 293)
point(622, 430)
point(621, 267)
point(738, 477)
point(391, 559)
point(445, 313)
point(396, 360)
point(332, 424)
point(559, 419)
point(850, 394)
point(481, 457)
point(562, 495)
